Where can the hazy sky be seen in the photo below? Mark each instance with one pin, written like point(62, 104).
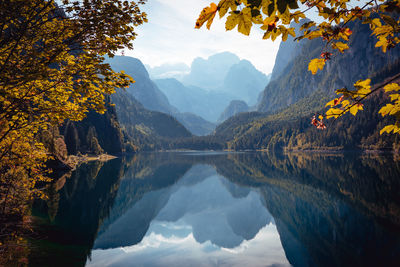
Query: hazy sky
point(170, 37)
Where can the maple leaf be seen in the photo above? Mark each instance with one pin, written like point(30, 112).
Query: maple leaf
point(207, 14)
point(316, 64)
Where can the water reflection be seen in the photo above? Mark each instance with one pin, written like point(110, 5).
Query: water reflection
point(203, 219)
point(247, 209)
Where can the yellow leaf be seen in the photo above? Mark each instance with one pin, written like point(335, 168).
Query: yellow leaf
point(391, 87)
point(231, 21)
point(333, 113)
point(354, 109)
point(224, 6)
point(387, 128)
point(207, 14)
point(316, 64)
point(362, 83)
point(245, 23)
point(394, 97)
point(376, 22)
point(386, 109)
point(340, 46)
point(382, 43)
point(331, 103)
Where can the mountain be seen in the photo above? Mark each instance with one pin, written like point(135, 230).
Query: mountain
point(147, 93)
point(196, 124)
point(207, 104)
point(245, 82)
point(225, 72)
point(143, 126)
point(144, 89)
point(213, 83)
point(288, 50)
point(289, 102)
point(210, 73)
point(296, 82)
point(235, 107)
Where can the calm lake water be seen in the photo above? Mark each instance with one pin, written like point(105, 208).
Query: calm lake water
point(223, 209)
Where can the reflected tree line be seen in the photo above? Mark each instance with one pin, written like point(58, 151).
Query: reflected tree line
point(329, 209)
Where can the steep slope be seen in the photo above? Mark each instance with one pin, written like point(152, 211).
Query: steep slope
point(287, 51)
point(144, 90)
point(235, 107)
point(296, 82)
point(143, 126)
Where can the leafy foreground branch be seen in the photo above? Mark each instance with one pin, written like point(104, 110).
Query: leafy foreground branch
point(275, 16)
point(52, 70)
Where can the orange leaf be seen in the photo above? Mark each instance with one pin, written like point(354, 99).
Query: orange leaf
point(207, 14)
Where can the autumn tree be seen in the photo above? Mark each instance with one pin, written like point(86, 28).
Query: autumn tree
point(51, 69)
point(275, 16)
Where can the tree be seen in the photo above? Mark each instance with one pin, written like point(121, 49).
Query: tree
point(275, 17)
point(51, 69)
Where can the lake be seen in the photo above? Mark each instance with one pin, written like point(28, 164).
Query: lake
point(223, 209)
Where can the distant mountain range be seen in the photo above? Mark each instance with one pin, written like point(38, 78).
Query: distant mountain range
point(196, 108)
point(213, 83)
point(204, 103)
point(210, 73)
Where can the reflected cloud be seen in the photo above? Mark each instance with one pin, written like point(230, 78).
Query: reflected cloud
point(264, 249)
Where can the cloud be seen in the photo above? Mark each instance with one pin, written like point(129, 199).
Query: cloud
point(169, 36)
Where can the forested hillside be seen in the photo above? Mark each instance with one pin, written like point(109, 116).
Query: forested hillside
point(144, 127)
point(96, 134)
point(292, 99)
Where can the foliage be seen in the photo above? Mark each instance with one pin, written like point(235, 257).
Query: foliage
point(274, 18)
point(51, 69)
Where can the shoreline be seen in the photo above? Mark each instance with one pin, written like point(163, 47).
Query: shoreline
point(74, 161)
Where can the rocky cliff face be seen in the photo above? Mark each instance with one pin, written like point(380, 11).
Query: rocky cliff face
point(343, 70)
point(287, 51)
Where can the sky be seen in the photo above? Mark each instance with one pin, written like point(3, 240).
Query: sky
point(170, 37)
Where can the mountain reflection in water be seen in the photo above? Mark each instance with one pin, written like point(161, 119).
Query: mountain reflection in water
point(248, 209)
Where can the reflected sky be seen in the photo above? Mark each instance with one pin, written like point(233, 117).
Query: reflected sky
point(204, 220)
point(264, 249)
